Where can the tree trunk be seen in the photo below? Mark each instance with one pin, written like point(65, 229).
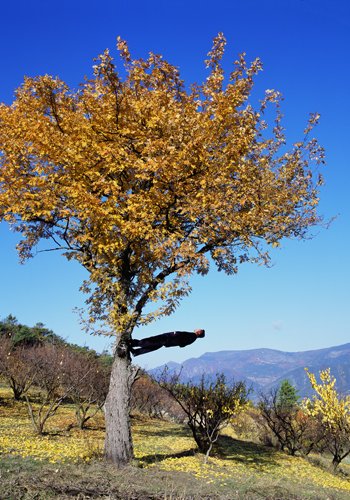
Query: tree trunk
point(336, 461)
point(17, 390)
point(118, 441)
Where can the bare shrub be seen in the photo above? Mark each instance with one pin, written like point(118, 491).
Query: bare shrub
point(208, 406)
point(291, 428)
point(46, 361)
point(15, 368)
point(85, 381)
point(148, 398)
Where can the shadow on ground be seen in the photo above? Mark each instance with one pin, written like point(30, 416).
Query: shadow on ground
point(173, 432)
point(150, 459)
point(227, 448)
point(245, 452)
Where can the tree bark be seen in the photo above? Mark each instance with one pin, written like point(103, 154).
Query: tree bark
point(118, 441)
point(336, 461)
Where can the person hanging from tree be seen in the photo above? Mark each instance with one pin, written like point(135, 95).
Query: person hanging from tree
point(170, 339)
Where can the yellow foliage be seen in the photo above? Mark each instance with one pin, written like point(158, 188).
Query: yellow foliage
point(17, 437)
point(333, 409)
point(139, 179)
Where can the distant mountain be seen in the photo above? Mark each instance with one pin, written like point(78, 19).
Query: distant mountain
point(264, 369)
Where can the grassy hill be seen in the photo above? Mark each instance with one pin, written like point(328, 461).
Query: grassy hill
point(67, 463)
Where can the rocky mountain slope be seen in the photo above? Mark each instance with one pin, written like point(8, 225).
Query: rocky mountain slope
point(264, 369)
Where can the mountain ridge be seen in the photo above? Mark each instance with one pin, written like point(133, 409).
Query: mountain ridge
point(263, 369)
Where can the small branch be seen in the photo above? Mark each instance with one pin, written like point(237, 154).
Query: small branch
point(55, 249)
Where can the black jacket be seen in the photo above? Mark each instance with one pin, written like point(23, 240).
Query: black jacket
point(180, 339)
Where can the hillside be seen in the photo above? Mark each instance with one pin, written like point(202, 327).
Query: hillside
point(264, 369)
point(66, 463)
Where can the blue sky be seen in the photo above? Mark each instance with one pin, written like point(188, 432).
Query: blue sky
point(302, 302)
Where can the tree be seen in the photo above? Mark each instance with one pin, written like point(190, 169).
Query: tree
point(334, 413)
point(8, 326)
point(46, 362)
point(144, 183)
point(208, 405)
point(22, 335)
point(85, 380)
point(18, 373)
point(11, 329)
point(287, 395)
point(148, 398)
point(294, 430)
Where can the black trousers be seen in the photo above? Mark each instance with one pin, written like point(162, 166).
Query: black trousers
point(148, 344)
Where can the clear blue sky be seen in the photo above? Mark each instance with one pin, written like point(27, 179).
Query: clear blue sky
point(302, 302)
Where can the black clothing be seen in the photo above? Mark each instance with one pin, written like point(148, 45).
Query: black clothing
point(170, 339)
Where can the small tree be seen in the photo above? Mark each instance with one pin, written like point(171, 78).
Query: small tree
point(46, 361)
point(287, 396)
point(15, 367)
point(85, 380)
point(334, 413)
point(294, 430)
point(208, 405)
point(149, 398)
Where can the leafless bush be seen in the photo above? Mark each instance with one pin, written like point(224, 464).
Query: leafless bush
point(46, 361)
point(85, 380)
point(15, 367)
point(291, 429)
point(148, 398)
